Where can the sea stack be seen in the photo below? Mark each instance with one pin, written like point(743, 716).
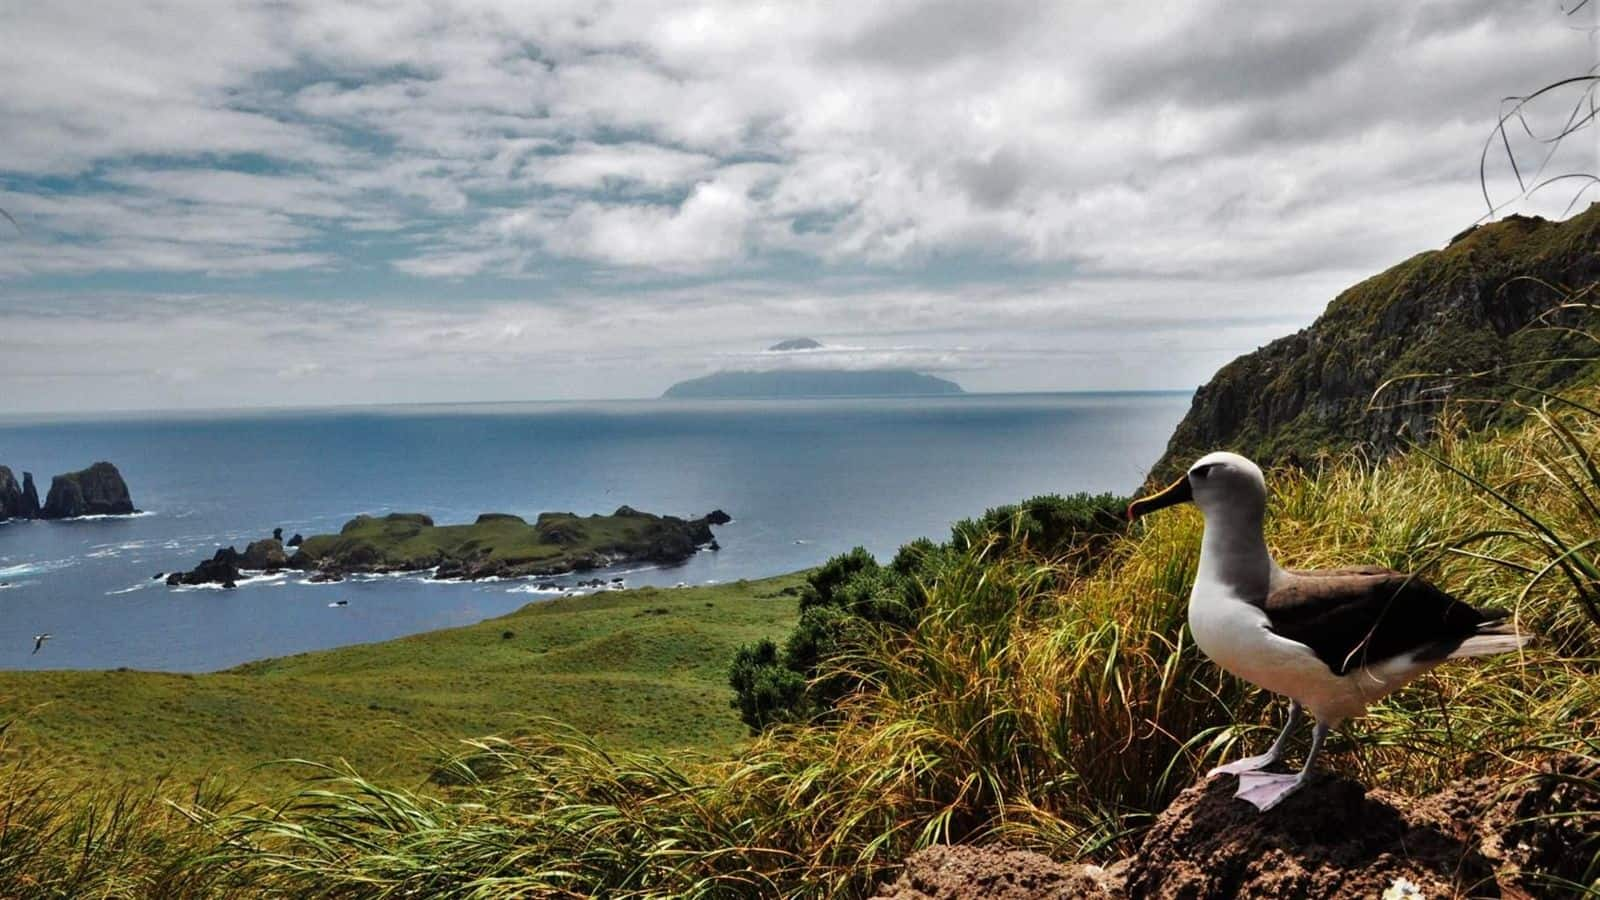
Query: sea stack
point(17, 501)
point(96, 491)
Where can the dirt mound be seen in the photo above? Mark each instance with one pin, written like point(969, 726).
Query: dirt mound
point(1488, 838)
point(994, 873)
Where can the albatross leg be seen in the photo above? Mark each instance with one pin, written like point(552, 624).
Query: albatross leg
point(1273, 754)
point(1264, 790)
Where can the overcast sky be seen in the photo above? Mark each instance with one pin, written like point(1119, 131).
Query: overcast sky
point(234, 204)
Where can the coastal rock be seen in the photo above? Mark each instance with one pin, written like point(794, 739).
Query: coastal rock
point(717, 517)
point(222, 568)
point(295, 541)
point(96, 491)
point(30, 498)
point(1459, 316)
point(266, 554)
point(17, 501)
point(10, 495)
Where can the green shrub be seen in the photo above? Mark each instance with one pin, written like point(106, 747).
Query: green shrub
point(851, 603)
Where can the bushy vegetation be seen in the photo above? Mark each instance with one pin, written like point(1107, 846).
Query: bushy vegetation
point(851, 604)
point(1044, 697)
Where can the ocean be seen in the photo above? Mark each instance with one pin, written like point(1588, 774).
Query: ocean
point(803, 480)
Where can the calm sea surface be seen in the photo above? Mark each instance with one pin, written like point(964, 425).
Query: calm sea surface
point(803, 480)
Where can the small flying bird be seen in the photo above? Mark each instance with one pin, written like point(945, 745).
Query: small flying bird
point(1332, 641)
point(38, 641)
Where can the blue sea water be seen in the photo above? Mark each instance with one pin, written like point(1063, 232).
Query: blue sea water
point(802, 479)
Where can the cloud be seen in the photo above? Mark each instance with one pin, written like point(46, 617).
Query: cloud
point(916, 176)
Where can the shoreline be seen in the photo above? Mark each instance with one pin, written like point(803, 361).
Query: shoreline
point(539, 598)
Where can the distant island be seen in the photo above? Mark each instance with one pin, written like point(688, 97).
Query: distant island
point(96, 491)
point(497, 545)
point(794, 381)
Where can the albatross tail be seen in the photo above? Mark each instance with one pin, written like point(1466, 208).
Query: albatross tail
point(1497, 636)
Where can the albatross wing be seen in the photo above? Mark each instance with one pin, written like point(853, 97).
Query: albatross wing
point(1358, 617)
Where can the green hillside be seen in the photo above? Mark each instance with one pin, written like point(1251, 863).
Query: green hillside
point(642, 669)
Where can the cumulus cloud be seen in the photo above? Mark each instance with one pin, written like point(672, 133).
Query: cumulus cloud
point(899, 175)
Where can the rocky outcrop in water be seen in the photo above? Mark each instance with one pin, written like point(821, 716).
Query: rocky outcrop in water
point(96, 491)
point(265, 555)
point(222, 568)
point(1483, 837)
point(17, 501)
point(1460, 316)
point(30, 497)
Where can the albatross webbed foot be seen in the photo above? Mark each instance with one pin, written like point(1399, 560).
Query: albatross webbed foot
point(1273, 754)
point(1248, 764)
point(1264, 790)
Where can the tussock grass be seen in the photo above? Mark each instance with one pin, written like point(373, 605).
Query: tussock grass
point(1036, 700)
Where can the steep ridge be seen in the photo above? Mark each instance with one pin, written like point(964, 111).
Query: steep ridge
point(1447, 314)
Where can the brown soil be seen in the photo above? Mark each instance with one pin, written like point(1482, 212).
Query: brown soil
point(994, 873)
point(1486, 838)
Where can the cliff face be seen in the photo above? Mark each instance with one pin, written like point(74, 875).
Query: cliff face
point(1446, 313)
point(96, 491)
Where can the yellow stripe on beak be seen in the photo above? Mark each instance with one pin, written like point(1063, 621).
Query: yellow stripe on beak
point(1177, 492)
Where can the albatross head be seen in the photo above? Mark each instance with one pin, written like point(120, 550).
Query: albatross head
point(1222, 484)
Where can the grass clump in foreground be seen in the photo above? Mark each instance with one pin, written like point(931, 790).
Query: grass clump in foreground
point(1033, 699)
point(640, 669)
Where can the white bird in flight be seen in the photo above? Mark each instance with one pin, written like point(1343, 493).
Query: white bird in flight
point(38, 641)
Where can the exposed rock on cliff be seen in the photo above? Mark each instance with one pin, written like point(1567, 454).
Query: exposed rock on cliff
point(1446, 313)
point(1333, 839)
point(96, 491)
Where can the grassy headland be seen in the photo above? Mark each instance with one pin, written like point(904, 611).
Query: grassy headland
point(641, 669)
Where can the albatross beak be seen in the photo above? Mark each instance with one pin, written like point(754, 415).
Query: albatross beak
point(1177, 492)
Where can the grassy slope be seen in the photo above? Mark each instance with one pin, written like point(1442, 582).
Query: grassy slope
point(638, 669)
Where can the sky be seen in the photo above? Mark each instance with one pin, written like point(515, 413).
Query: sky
point(224, 204)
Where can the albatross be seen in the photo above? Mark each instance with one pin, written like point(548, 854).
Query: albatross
point(38, 642)
point(1332, 641)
